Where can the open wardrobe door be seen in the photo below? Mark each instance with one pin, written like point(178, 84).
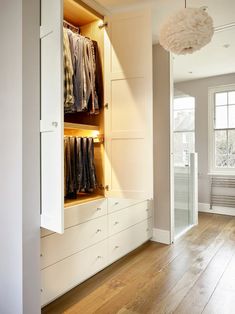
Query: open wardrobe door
point(128, 114)
point(52, 111)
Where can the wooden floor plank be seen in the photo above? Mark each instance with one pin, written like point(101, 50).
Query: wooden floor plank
point(162, 279)
point(222, 300)
point(152, 294)
point(199, 295)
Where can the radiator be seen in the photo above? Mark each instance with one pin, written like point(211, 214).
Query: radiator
point(222, 191)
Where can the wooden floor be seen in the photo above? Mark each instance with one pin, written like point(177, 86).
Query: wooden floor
point(195, 275)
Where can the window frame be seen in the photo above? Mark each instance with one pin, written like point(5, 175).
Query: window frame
point(213, 170)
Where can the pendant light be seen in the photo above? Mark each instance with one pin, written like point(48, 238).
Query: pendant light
point(187, 31)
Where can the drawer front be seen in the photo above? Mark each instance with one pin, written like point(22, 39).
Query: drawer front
point(115, 204)
point(81, 213)
point(127, 240)
point(56, 247)
point(63, 276)
point(128, 217)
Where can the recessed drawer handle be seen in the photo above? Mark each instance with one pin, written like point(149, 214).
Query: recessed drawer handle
point(41, 255)
point(147, 229)
point(98, 209)
point(117, 247)
point(147, 209)
point(116, 203)
point(99, 257)
point(116, 223)
point(98, 230)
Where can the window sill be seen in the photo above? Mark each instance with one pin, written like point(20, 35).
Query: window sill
point(221, 173)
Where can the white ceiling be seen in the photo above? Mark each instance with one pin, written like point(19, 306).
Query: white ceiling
point(213, 59)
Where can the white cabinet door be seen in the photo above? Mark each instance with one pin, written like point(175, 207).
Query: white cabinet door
point(52, 112)
point(128, 93)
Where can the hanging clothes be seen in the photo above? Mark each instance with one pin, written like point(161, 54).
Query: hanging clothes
point(68, 74)
point(80, 172)
point(87, 76)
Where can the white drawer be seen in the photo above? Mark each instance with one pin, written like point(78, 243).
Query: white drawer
point(56, 247)
point(80, 213)
point(115, 204)
point(124, 242)
point(127, 217)
point(63, 276)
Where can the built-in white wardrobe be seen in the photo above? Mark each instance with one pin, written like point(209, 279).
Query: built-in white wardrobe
point(82, 236)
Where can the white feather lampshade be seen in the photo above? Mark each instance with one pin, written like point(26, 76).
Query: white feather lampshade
point(187, 31)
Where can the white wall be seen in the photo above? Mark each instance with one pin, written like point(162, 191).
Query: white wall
point(19, 158)
point(162, 138)
point(199, 90)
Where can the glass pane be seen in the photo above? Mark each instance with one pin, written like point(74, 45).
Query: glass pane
point(221, 161)
point(231, 142)
point(231, 98)
point(182, 103)
point(231, 116)
point(220, 142)
point(183, 120)
point(221, 117)
point(183, 146)
point(231, 161)
point(221, 99)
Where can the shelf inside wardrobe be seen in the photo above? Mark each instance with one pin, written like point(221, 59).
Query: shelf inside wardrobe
point(81, 199)
point(75, 126)
point(83, 130)
point(78, 13)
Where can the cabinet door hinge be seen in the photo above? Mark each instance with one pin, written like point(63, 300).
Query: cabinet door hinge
point(106, 187)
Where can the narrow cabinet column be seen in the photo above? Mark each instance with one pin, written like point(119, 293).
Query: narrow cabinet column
point(162, 144)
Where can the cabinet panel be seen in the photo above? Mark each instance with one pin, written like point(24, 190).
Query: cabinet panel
point(55, 247)
point(128, 33)
point(127, 240)
point(127, 108)
point(128, 119)
point(63, 276)
point(115, 204)
point(128, 217)
point(52, 111)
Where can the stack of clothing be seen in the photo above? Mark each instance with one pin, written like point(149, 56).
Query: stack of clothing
point(83, 82)
point(79, 166)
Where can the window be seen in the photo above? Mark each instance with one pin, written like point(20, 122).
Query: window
point(184, 125)
point(222, 129)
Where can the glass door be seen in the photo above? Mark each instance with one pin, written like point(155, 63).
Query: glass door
point(184, 163)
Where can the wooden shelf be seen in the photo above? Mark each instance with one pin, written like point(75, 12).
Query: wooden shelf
point(82, 198)
point(78, 13)
point(77, 126)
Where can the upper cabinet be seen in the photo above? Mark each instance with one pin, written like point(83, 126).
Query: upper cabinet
point(128, 119)
point(124, 162)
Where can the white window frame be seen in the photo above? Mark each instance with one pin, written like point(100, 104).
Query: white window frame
point(213, 170)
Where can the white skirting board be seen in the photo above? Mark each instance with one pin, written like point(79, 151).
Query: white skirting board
point(161, 236)
point(205, 208)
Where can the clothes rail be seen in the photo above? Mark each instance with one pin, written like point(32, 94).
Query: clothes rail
point(69, 25)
